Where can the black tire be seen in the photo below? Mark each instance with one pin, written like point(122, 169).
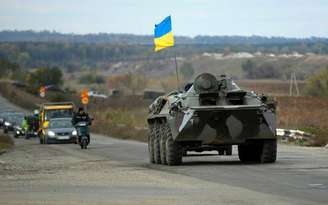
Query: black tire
point(164, 135)
point(16, 136)
point(5, 131)
point(173, 151)
point(221, 151)
point(157, 140)
point(269, 151)
point(151, 144)
point(245, 153)
point(45, 140)
point(41, 140)
point(84, 143)
point(264, 151)
point(228, 150)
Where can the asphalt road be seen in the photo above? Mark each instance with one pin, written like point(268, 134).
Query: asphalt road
point(114, 171)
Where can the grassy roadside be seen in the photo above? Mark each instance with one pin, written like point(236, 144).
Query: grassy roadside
point(120, 117)
point(5, 143)
point(19, 96)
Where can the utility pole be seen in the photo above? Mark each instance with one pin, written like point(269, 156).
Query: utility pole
point(292, 83)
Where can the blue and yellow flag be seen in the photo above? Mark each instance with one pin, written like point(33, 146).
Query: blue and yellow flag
point(163, 34)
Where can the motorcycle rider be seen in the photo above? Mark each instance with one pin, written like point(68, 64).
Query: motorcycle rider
point(81, 116)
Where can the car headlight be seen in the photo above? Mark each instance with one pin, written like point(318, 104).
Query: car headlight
point(7, 123)
point(74, 132)
point(51, 133)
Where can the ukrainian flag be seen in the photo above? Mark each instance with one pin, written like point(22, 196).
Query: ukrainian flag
point(163, 34)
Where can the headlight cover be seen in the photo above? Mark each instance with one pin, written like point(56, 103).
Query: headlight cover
point(7, 123)
point(74, 132)
point(51, 133)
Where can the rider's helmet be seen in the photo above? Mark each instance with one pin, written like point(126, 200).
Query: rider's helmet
point(80, 109)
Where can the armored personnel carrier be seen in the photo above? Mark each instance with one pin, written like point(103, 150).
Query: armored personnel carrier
point(212, 114)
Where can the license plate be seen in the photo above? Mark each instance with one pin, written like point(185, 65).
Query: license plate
point(63, 137)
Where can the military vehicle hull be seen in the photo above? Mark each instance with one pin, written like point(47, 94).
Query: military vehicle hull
point(178, 123)
point(221, 125)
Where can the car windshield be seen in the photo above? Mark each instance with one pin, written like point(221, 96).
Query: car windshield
point(18, 119)
point(62, 113)
point(60, 123)
point(15, 118)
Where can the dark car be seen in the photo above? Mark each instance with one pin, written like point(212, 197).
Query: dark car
point(13, 120)
point(3, 116)
point(17, 124)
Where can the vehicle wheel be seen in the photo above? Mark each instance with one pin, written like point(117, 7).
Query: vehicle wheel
point(228, 150)
point(164, 135)
point(45, 140)
point(244, 153)
point(173, 151)
point(157, 147)
point(151, 144)
point(41, 140)
point(221, 151)
point(84, 143)
point(5, 131)
point(16, 136)
point(269, 151)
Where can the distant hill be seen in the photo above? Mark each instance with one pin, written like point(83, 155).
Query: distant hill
point(131, 39)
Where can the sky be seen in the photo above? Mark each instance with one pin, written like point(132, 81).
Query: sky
point(288, 18)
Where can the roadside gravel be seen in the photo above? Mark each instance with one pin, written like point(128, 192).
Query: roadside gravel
point(64, 174)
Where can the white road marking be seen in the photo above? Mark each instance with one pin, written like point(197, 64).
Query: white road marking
point(316, 185)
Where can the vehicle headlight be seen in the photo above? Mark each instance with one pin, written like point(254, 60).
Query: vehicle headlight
point(51, 133)
point(74, 132)
point(7, 123)
point(18, 128)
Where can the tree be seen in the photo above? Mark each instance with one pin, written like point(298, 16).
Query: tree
point(249, 68)
point(133, 82)
point(187, 70)
point(136, 82)
point(45, 76)
point(7, 68)
point(92, 78)
point(317, 84)
point(264, 70)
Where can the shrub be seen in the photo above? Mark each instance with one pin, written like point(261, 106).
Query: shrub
point(320, 135)
point(317, 84)
point(92, 79)
point(45, 76)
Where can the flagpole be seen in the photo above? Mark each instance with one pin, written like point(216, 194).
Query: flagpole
point(176, 70)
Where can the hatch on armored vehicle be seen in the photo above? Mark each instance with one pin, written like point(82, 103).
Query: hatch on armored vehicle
point(212, 114)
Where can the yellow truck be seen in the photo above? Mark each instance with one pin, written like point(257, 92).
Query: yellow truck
point(49, 111)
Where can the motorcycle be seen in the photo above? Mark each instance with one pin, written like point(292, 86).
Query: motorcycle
point(83, 134)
